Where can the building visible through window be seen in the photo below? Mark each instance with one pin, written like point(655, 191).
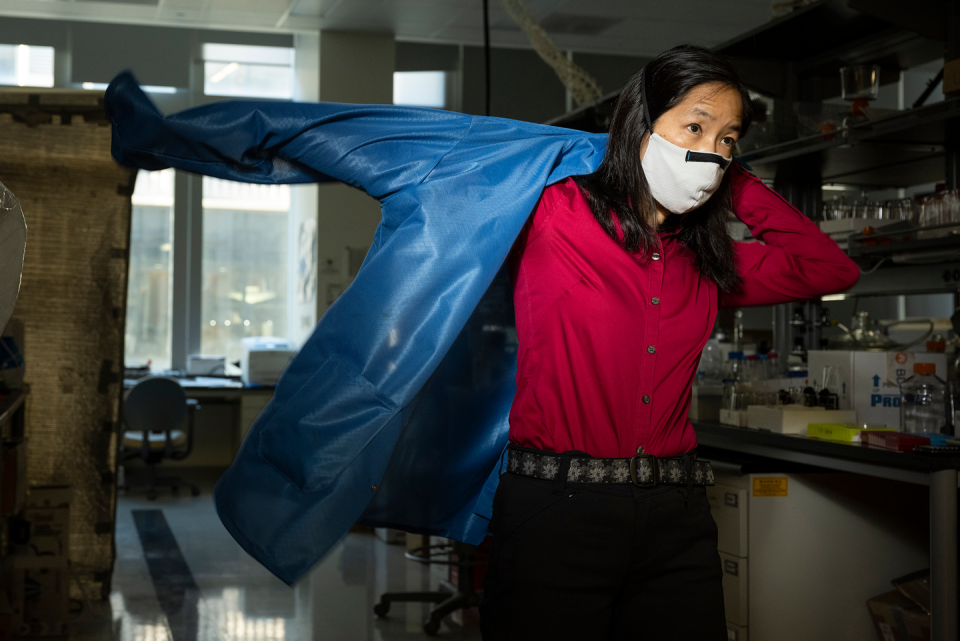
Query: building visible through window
point(247, 71)
point(245, 264)
point(150, 283)
point(26, 66)
point(420, 88)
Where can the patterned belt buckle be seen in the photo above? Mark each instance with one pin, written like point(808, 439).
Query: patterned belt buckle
point(635, 469)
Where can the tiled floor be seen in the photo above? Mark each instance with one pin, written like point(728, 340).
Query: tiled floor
point(232, 597)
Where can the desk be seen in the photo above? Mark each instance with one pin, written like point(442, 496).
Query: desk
point(939, 472)
point(228, 408)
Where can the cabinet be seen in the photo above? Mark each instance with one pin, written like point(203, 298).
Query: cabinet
point(800, 561)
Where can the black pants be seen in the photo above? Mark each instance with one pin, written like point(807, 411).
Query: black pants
point(592, 562)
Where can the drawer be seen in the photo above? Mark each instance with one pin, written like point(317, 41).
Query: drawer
point(735, 589)
point(729, 508)
point(251, 404)
point(736, 632)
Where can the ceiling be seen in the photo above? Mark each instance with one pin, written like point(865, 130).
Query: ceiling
point(629, 27)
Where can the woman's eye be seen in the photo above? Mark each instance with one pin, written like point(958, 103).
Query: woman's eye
point(729, 141)
point(694, 128)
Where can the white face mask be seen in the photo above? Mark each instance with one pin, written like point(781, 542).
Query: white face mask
point(681, 179)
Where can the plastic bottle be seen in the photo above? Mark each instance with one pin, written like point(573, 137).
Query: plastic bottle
point(923, 407)
point(764, 369)
point(773, 365)
point(733, 369)
point(729, 399)
point(710, 371)
point(753, 368)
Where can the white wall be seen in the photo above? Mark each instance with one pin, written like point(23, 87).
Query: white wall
point(356, 68)
point(302, 256)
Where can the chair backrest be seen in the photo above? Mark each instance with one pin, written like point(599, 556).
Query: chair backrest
point(155, 404)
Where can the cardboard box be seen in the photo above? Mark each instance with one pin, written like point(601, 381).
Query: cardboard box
point(737, 418)
point(793, 419)
point(916, 587)
point(13, 493)
point(39, 595)
point(897, 618)
point(872, 380)
point(889, 440)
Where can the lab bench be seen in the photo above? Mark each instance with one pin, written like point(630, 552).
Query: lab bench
point(772, 451)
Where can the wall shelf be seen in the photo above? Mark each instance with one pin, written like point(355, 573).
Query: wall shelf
point(899, 150)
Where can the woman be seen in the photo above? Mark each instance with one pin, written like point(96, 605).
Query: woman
point(618, 276)
point(387, 417)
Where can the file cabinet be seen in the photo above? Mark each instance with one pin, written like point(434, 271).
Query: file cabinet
point(802, 553)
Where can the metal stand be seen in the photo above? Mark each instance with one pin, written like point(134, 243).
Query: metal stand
point(451, 598)
point(943, 555)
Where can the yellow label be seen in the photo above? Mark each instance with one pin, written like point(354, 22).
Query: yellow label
point(770, 486)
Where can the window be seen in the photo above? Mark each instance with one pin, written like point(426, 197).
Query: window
point(245, 264)
point(420, 88)
point(247, 71)
point(149, 288)
point(26, 66)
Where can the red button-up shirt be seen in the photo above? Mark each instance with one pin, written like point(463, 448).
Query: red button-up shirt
point(610, 341)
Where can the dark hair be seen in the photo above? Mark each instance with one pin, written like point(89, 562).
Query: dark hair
point(618, 187)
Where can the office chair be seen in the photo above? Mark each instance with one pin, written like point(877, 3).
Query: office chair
point(451, 597)
point(158, 419)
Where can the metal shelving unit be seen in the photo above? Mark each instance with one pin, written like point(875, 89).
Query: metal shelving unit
point(899, 150)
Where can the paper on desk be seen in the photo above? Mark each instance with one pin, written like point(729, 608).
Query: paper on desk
point(209, 381)
point(13, 241)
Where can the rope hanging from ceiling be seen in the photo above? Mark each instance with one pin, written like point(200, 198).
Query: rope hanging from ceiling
point(581, 85)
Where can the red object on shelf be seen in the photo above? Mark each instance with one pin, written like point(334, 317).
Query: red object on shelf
point(896, 441)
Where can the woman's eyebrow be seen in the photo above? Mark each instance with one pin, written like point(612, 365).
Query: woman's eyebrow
point(697, 111)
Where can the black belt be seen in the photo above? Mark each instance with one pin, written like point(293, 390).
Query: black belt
point(642, 470)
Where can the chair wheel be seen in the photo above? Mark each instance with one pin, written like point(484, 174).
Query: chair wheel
point(151, 495)
point(431, 627)
point(195, 491)
point(381, 609)
point(175, 490)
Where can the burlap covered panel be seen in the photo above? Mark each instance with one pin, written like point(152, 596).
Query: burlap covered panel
point(76, 202)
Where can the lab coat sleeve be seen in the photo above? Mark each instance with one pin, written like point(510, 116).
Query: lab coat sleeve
point(377, 148)
point(377, 417)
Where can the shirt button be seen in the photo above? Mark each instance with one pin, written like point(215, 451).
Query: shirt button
point(655, 301)
point(646, 399)
point(656, 256)
point(652, 349)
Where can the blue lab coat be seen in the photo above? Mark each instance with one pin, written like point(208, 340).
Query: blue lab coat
point(394, 412)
